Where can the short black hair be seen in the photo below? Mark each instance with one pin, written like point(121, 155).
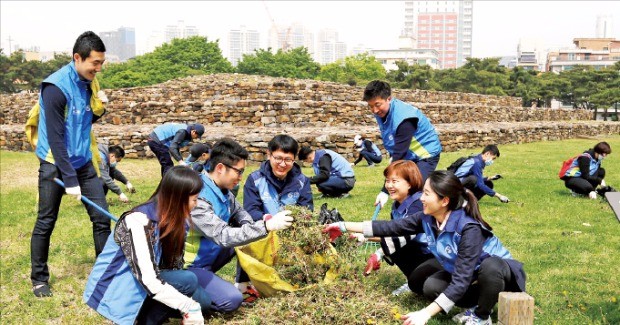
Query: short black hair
point(117, 151)
point(602, 147)
point(492, 149)
point(227, 152)
point(377, 88)
point(304, 152)
point(285, 143)
point(87, 42)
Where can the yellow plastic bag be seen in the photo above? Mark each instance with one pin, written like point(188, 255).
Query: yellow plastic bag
point(257, 260)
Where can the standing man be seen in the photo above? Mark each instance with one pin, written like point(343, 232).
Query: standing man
point(334, 175)
point(68, 108)
point(406, 132)
point(110, 157)
point(166, 140)
point(470, 174)
point(278, 182)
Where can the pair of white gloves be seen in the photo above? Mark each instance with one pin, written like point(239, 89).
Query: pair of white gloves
point(76, 192)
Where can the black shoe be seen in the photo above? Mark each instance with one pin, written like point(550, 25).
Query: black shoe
point(42, 290)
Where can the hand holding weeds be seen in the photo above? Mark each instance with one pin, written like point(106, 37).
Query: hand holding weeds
point(280, 221)
point(374, 262)
point(334, 230)
point(419, 317)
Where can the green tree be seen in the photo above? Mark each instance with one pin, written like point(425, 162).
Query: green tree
point(296, 63)
point(358, 69)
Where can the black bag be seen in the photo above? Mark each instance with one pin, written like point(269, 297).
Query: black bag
point(456, 164)
point(601, 191)
point(327, 216)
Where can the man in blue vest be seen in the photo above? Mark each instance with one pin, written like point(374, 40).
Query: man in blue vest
point(470, 174)
point(277, 182)
point(334, 175)
point(63, 149)
point(110, 157)
point(220, 223)
point(406, 132)
point(166, 140)
point(367, 150)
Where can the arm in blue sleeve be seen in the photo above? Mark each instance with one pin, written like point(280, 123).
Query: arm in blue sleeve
point(251, 200)
point(305, 197)
point(476, 170)
point(55, 102)
point(400, 227)
point(325, 167)
point(402, 138)
point(175, 144)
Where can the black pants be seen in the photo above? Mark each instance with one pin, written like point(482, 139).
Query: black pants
point(408, 258)
point(493, 277)
point(50, 195)
point(163, 155)
point(584, 186)
point(469, 183)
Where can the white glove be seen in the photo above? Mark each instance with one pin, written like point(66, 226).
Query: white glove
point(75, 191)
point(603, 184)
point(419, 317)
point(182, 162)
point(381, 199)
point(102, 96)
point(359, 237)
point(503, 199)
point(130, 188)
point(352, 164)
point(194, 315)
point(592, 195)
point(123, 198)
point(281, 220)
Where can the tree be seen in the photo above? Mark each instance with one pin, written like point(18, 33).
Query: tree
point(296, 63)
point(359, 69)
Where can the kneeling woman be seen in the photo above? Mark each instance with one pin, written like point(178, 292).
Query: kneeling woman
point(470, 268)
point(139, 277)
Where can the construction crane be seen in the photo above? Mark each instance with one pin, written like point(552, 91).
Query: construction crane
point(285, 43)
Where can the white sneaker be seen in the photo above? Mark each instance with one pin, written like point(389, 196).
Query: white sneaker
point(402, 289)
point(461, 318)
point(468, 317)
point(592, 195)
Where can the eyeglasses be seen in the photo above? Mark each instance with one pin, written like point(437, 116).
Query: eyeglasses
point(239, 171)
point(279, 160)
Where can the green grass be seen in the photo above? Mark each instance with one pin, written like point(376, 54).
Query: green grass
point(570, 246)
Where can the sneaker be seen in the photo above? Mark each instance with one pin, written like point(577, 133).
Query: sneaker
point(371, 165)
point(402, 289)
point(42, 290)
point(460, 318)
point(250, 295)
point(468, 317)
point(573, 193)
point(344, 195)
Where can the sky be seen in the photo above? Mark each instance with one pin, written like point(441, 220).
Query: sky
point(497, 25)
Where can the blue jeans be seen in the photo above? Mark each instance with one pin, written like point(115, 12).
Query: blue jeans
point(336, 186)
point(427, 166)
point(50, 195)
point(225, 297)
point(371, 157)
point(163, 155)
point(186, 282)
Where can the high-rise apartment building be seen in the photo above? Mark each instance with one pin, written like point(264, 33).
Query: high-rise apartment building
point(290, 37)
point(180, 30)
point(328, 48)
point(445, 26)
point(120, 44)
point(242, 41)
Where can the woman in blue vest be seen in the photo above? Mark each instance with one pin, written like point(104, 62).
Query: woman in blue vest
point(367, 150)
point(166, 140)
point(471, 266)
point(404, 184)
point(406, 132)
point(139, 277)
point(334, 175)
point(586, 173)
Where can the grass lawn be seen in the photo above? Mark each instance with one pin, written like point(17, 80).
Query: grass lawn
point(570, 245)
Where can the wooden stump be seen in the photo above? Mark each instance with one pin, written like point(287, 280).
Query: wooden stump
point(515, 308)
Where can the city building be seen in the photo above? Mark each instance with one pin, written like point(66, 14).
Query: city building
point(180, 30)
point(531, 54)
point(595, 52)
point(328, 48)
point(120, 44)
point(359, 49)
point(445, 26)
point(508, 61)
point(242, 41)
point(408, 53)
point(290, 37)
point(604, 26)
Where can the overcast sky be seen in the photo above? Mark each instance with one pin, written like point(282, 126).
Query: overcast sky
point(498, 25)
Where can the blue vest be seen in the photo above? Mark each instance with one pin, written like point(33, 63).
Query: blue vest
point(272, 201)
point(402, 211)
point(112, 289)
point(78, 117)
point(445, 246)
point(165, 133)
point(424, 142)
point(199, 250)
point(340, 166)
point(376, 149)
point(574, 170)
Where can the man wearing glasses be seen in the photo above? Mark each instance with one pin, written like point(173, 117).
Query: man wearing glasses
point(220, 223)
point(278, 182)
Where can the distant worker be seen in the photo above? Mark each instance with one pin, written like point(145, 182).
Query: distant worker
point(586, 173)
point(166, 140)
point(367, 150)
point(110, 157)
point(406, 132)
point(198, 158)
point(334, 175)
point(470, 173)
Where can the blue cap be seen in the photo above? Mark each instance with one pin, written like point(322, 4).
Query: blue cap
point(200, 130)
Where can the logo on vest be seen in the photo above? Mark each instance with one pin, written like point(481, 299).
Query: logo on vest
point(448, 250)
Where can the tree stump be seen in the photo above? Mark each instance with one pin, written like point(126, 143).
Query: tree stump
point(515, 308)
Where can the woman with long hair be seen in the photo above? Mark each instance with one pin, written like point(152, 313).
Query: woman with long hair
point(471, 266)
point(139, 276)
